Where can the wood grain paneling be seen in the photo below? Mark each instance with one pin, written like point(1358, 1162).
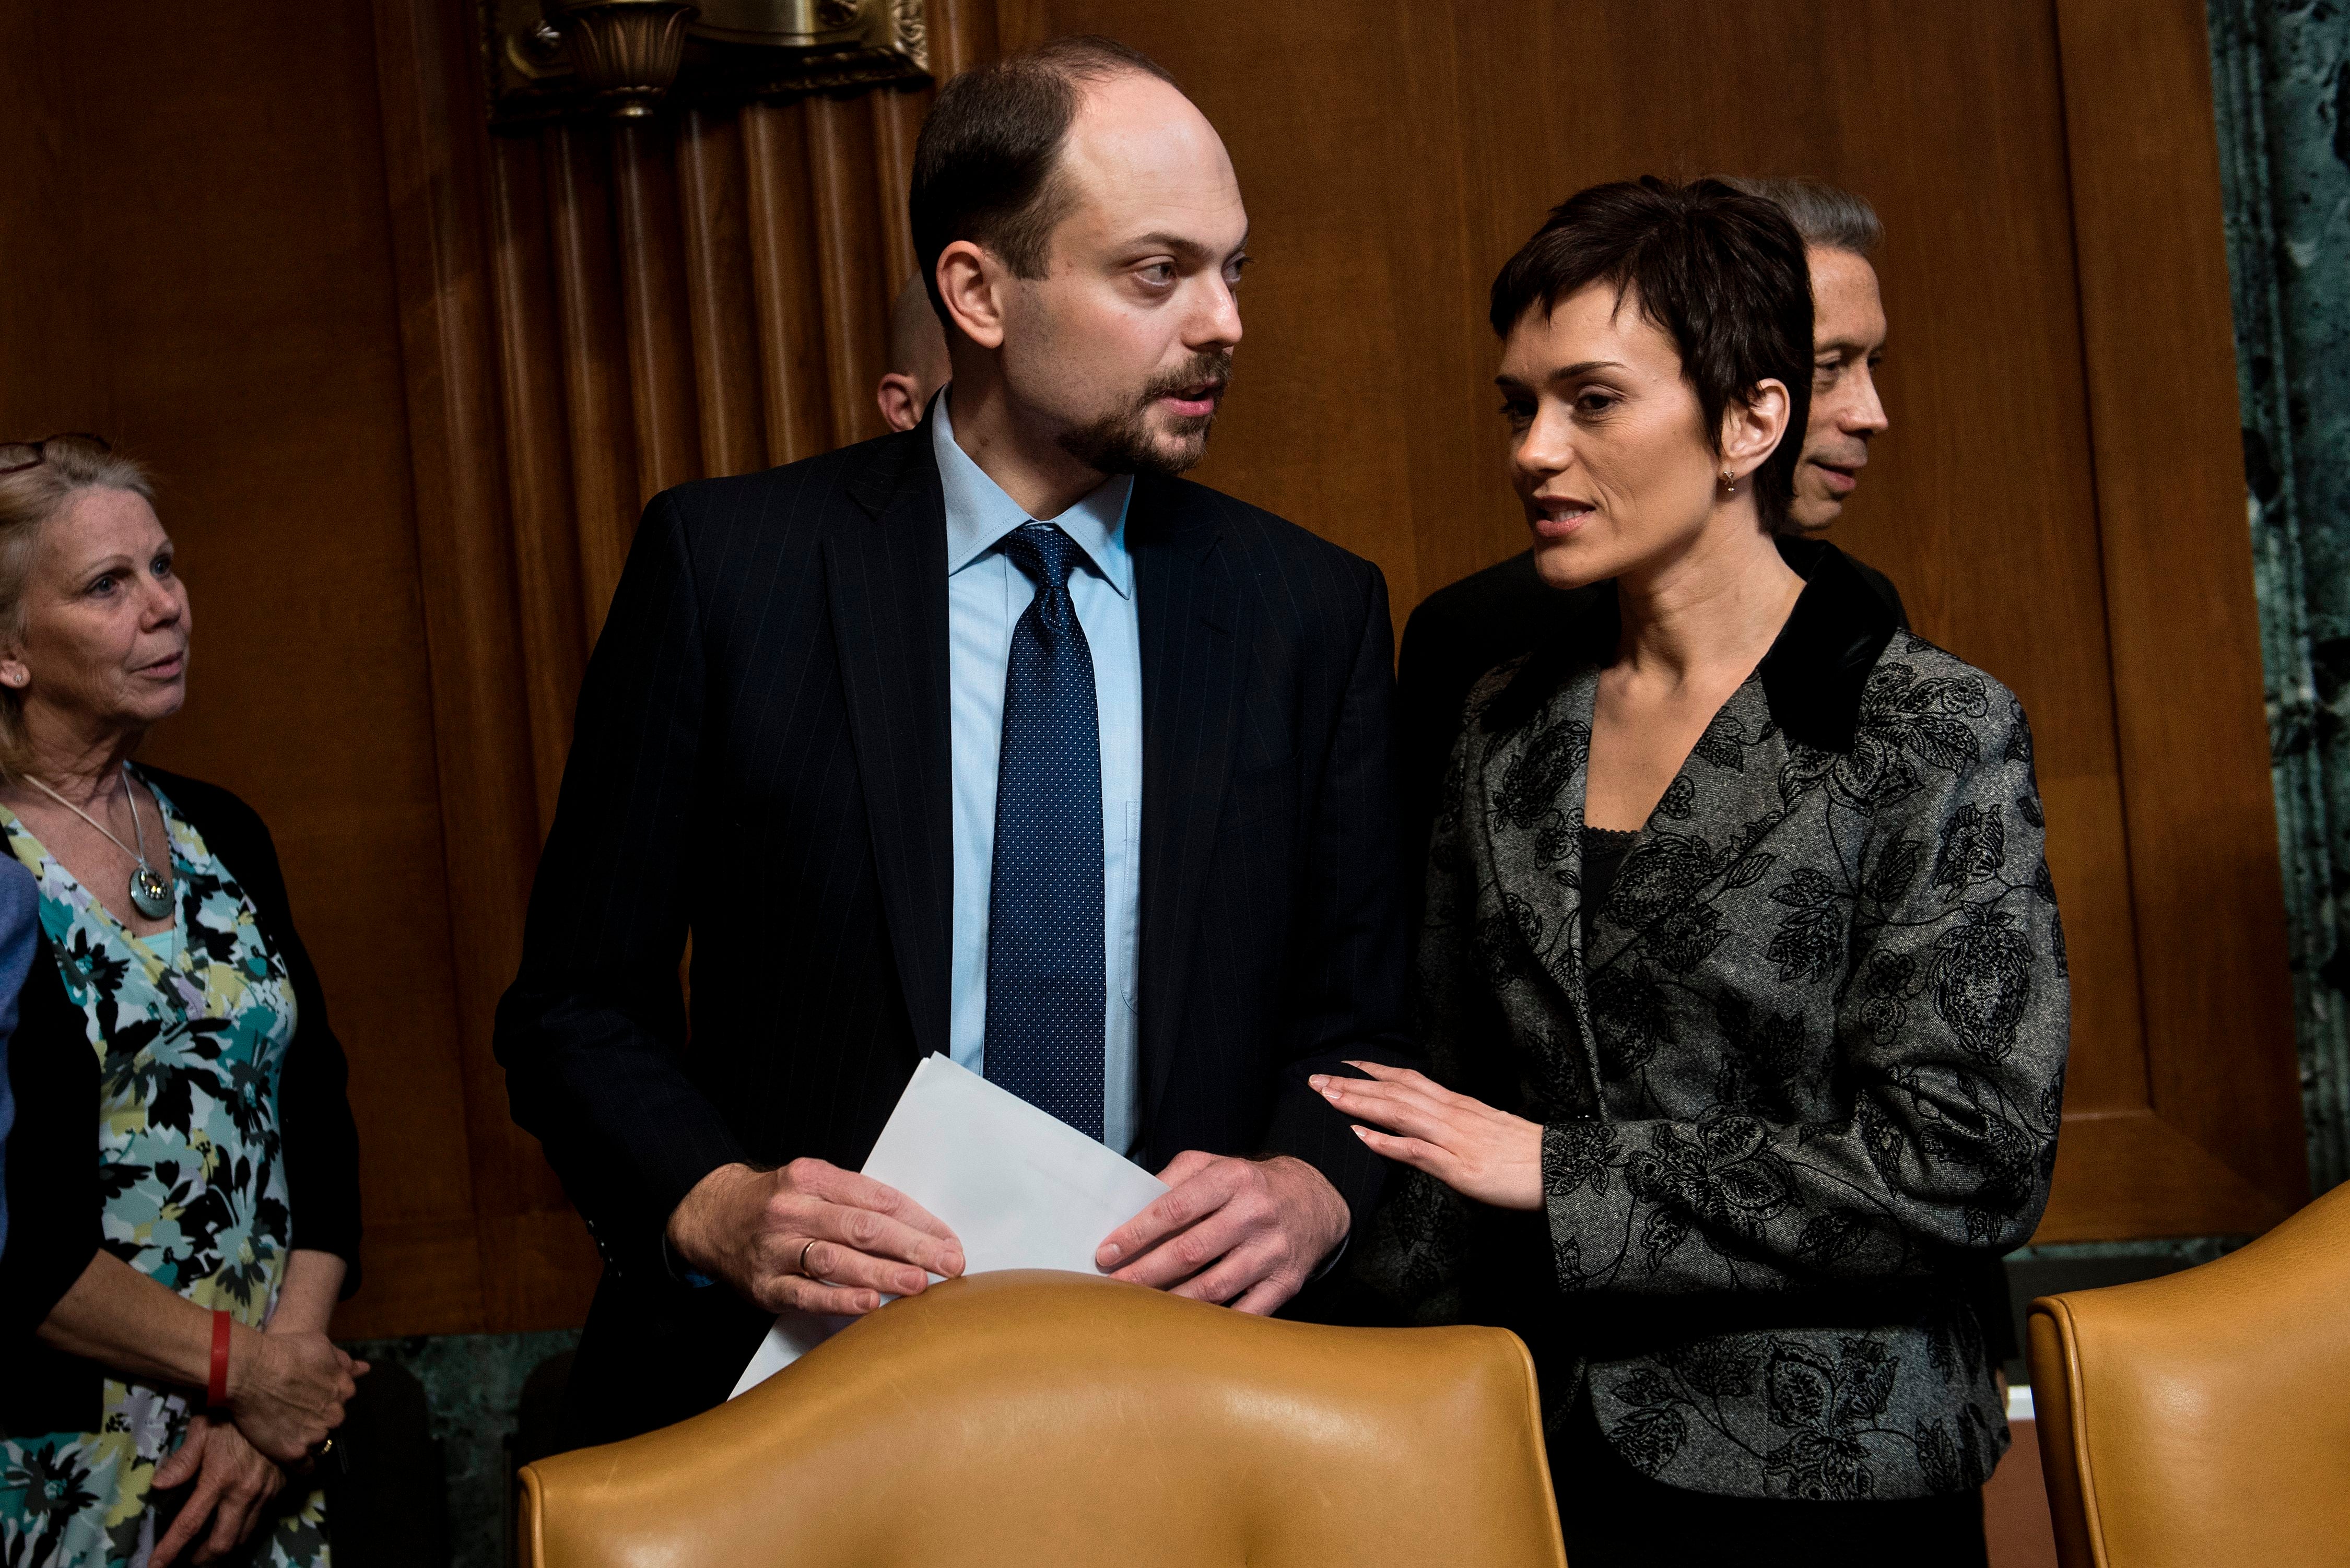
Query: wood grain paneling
point(2178, 589)
point(489, 806)
point(789, 305)
point(538, 464)
point(718, 292)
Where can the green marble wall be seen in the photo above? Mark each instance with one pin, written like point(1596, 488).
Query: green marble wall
point(2281, 79)
point(472, 1390)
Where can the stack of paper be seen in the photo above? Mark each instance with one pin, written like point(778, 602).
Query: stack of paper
point(1019, 1188)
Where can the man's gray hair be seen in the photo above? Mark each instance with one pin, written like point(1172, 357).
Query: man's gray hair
point(1828, 217)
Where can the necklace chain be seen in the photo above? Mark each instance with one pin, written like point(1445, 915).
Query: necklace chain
point(151, 894)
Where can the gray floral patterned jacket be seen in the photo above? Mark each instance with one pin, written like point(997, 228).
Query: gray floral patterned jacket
point(1813, 1057)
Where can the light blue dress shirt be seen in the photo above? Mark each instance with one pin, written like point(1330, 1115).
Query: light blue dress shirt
point(985, 594)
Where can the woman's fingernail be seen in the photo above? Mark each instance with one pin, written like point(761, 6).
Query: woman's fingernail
point(1363, 1133)
point(1319, 1079)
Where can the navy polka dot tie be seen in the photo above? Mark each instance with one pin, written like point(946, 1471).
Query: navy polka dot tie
point(1045, 983)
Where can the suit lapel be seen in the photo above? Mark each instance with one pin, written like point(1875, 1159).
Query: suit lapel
point(886, 572)
point(1189, 608)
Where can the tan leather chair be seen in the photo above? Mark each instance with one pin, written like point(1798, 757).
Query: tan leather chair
point(2202, 1420)
point(1049, 1419)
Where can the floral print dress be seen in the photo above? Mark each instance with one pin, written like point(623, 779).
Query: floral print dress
point(191, 1027)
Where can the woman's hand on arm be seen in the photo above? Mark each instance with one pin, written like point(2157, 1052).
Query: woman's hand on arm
point(286, 1389)
point(233, 1486)
point(1480, 1153)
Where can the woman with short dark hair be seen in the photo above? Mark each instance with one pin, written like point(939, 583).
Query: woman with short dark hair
point(183, 1180)
point(1741, 973)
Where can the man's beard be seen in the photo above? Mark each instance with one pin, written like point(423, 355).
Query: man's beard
point(1124, 442)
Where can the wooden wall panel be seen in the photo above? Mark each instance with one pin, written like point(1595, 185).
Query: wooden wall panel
point(2185, 650)
point(718, 257)
point(789, 307)
point(438, 187)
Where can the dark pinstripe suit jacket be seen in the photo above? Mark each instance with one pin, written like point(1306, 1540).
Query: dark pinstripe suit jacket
point(762, 758)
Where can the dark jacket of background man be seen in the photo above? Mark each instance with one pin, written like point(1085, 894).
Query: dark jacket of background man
point(762, 757)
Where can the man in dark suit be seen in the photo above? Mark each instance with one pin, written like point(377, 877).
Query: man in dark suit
point(1101, 804)
point(1460, 632)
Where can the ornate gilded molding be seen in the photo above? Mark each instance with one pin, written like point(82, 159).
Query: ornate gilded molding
point(552, 57)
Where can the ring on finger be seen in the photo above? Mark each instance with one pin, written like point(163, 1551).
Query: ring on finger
point(804, 1249)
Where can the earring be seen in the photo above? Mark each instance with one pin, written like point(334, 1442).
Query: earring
point(1729, 482)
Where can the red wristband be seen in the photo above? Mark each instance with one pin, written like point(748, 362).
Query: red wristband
point(216, 1389)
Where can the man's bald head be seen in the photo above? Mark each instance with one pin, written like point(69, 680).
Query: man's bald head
point(987, 163)
point(917, 358)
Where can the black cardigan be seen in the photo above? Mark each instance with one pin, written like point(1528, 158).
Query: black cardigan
point(55, 1204)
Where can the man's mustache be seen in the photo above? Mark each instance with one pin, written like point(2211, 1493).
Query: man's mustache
point(1212, 370)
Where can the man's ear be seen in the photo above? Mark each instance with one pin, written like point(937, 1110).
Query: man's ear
point(971, 282)
point(1751, 431)
point(901, 397)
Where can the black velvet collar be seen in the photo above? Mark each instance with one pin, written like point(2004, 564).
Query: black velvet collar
point(1813, 675)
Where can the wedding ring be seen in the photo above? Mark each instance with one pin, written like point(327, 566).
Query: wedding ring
point(804, 1252)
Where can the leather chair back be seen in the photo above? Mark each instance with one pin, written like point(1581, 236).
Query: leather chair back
point(2202, 1420)
point(1032, 1417)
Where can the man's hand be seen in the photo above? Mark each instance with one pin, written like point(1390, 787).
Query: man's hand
point(811, 1236)
point(1250, 1232)
point(233, 1486)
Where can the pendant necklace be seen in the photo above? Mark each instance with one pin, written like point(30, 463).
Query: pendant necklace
point(151, 890)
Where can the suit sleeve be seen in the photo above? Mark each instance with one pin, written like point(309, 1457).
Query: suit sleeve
point(592, 1032)
point(1347, 987)
point(1952, 1029)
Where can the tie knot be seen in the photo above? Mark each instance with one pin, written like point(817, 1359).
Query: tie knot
point(1044, 552)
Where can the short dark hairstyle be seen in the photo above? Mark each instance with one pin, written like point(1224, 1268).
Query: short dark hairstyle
point(1719, 272)
point(985, 165)
point(1828, 217)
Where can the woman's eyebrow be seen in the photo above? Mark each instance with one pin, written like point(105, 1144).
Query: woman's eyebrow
point(1563, 373)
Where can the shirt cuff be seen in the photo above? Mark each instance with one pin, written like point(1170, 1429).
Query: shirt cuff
point(679, 1273)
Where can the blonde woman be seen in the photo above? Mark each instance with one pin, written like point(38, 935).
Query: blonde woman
point(183, 1179)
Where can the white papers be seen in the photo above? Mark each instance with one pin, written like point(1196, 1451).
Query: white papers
point(1019, 1188)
